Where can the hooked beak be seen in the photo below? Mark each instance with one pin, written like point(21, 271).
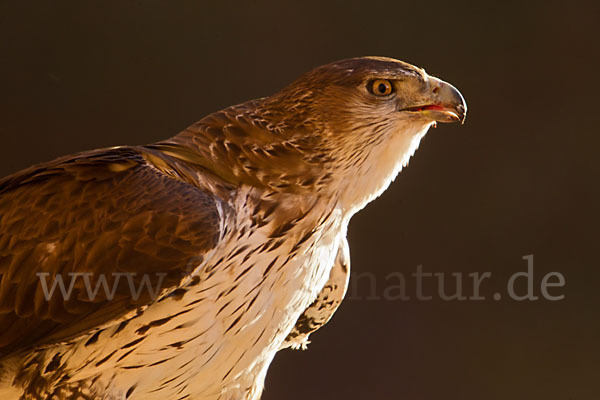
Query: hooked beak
point(447, 104)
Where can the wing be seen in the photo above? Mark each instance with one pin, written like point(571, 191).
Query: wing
point(326, 303)
point(106, 215)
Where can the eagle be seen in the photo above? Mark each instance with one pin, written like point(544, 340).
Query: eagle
point(177, 270)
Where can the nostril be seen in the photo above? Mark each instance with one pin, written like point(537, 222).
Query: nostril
point(436, 90)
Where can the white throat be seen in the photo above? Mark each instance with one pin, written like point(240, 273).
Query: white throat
point(381, 167)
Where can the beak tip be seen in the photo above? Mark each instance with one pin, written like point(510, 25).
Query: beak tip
point(462, 113)
point(450, 97)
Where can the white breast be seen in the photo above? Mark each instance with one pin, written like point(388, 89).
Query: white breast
point(227, 328)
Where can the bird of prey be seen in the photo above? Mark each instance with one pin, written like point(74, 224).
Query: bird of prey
point(177, 270)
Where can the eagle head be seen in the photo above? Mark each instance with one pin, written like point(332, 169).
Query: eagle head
point(342, 130)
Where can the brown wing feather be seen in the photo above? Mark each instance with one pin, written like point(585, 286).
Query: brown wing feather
point(325, 305)
point(102, 212)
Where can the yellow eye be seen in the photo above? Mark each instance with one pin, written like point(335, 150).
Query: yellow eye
point(381, 87)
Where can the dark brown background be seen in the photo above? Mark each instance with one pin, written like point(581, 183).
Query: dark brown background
point(521, 177)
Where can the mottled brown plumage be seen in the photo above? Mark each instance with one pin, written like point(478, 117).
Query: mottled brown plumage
point(239, 223)
point(101, 212)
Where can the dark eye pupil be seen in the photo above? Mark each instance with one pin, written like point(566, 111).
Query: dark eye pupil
point(381, 88)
